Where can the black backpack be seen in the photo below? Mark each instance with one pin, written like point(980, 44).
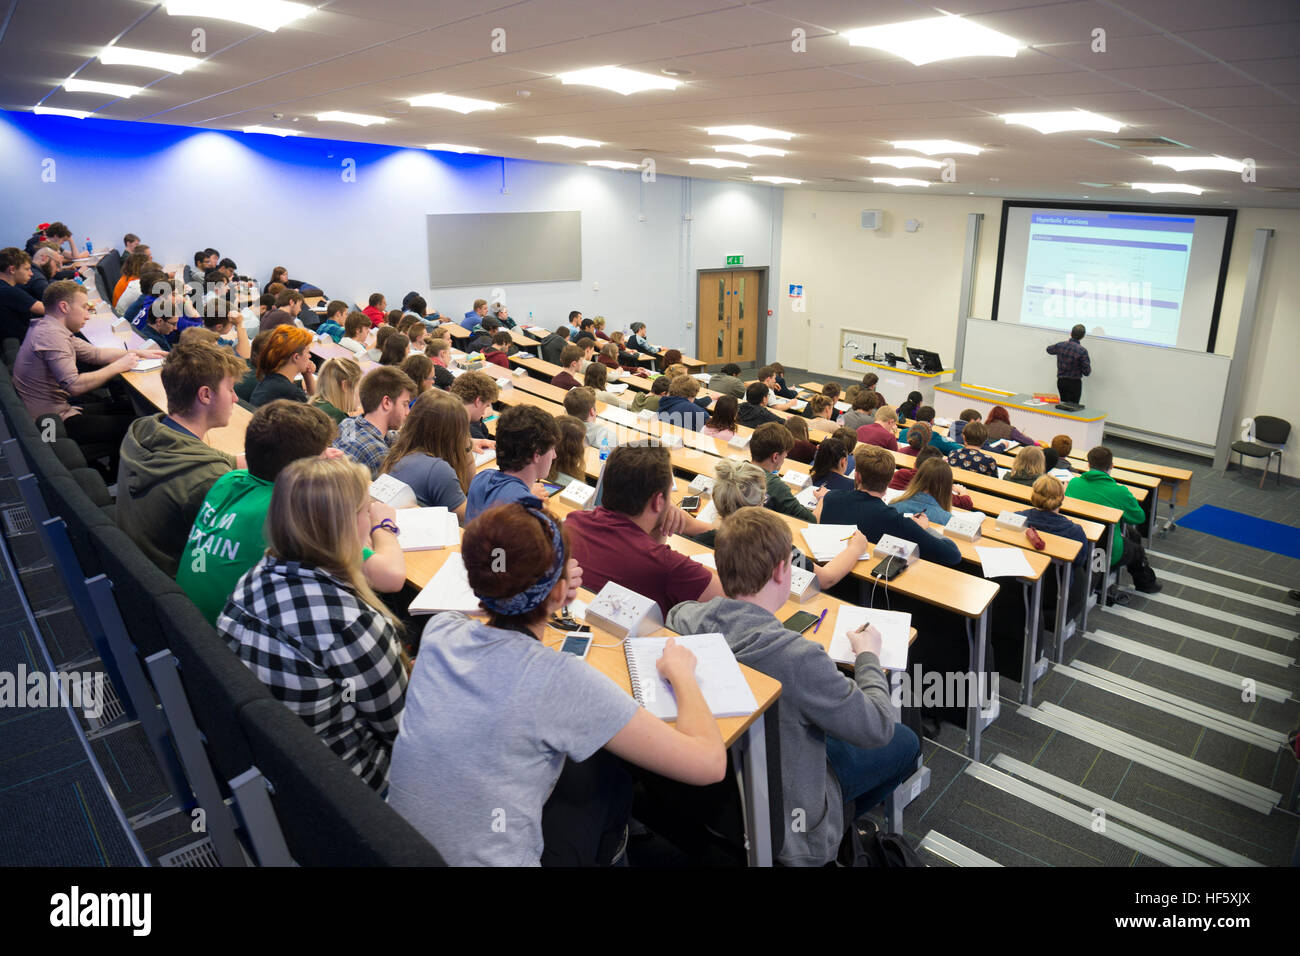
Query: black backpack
point(865, 845)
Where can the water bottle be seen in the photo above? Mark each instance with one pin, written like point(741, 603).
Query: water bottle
point(604, 447)
point(90, 247)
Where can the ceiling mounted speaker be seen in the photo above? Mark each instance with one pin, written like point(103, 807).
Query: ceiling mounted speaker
point(872, 218)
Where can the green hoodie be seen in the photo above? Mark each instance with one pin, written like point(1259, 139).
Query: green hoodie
point(1101, 489)
point(161, 482)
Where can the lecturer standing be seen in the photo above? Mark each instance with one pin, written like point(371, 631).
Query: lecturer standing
point(1072, 364)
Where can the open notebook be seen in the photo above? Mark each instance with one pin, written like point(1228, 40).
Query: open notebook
point(826, 540)
point(425, 529)
point(723, 685)
point(892, 625)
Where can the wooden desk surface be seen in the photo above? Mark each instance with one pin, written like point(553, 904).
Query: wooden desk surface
point(1139, 485)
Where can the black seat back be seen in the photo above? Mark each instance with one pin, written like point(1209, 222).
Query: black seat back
point(137, 585)
point(111, 265)
point(328, 815)
point(1273, 430)
point(66, 498)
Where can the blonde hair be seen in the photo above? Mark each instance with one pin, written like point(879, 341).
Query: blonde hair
point(886, 413)
point(736, 485)
point(1029, 461)
point(933, 477)
point(197, 335)
point(336, 383)
point(1047, 493)
point(674, 370)
point(683, 386)
point(313, 518)
point(436, 426)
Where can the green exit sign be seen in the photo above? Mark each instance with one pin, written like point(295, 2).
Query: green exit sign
point(735, 260)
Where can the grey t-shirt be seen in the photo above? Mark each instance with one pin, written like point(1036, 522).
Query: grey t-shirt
point(490, 716)
point(433, 480)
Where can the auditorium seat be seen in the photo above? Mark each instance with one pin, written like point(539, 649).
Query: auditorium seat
point(137, 585)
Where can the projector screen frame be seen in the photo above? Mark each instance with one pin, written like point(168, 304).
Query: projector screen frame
point(1229, 214)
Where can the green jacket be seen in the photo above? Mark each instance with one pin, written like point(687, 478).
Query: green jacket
point(644, 400)
point(781, 499)
point(161, 482)
point(1101, 489)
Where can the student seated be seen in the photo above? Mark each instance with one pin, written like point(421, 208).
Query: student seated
point(596, 377)
point(839, 742)
point(588, 346)
point(160, 324)
point(395, 350)
point(908, 408)
point(385, 395)
point(381, 337)
point(336, 389)
point(167, 467)
point(498, 353)
point(918, 439)
point(586, 327)
point(865, 507)
point(651, 399)
point(432, 453)
point(767, 375)
point(336, 311)
point(477, 391)
point(753, 411)
point(722, 423)
point(883, 431)
point(526, 438)
point(969, 457)
point(967, 416)
point(498, 723)
point(742, 484)
point(552, 347)
point(228, 534)
point(681, 408)
point(999, 427)
point(580, 403)
point(415, 332)
point(638, 342)
point(870, 380)
point(419, 369)
point(245, 387)
point(570, 462)
point(849, 439)
point(768, 449)
point(728, 381)
point(1096, 485)
point(831, 390)
point(439, 352)
point(1028, 466)
point(47, 379)
point(499, 311)
point(780, 388)
point(570, 359)
point(481, 335)
point(929, 491)
point(608, 357)
point(228, 324)
point(288, 306)
point(865, 402)
point(1063, 445)
point(285, 355)
point(304, 620)
point(803, 450)
point(376, 309)
point(598, 326)
point(131, 266)
point(818, 413)
point(830, 465)
point(628, 361)
point(475, 315)
point(1044, 514)
point(623, 540)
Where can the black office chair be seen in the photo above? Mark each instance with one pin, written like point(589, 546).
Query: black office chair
point(111, 265)
point(1271, 435)
point(326, 815)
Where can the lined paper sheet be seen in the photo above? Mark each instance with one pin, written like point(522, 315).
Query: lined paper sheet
point(723, 685)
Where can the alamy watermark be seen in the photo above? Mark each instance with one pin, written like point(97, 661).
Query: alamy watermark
point(83, 691)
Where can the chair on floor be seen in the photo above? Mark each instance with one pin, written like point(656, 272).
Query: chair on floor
point(1269, 440)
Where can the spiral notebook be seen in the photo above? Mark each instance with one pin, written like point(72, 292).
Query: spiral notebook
point(723, 685)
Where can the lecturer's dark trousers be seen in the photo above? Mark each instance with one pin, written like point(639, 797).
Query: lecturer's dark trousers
point(1069, 389)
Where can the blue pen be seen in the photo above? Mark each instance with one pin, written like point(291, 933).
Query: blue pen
point(819, 620)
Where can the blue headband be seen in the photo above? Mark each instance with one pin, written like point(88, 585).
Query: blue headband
point(533, 596)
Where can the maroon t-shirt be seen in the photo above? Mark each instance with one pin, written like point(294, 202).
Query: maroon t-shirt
point(610, 547)
point(564, 380)
point(877, 434)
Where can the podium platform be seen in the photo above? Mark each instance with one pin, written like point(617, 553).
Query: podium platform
point(1040, 421)
point(897, 380)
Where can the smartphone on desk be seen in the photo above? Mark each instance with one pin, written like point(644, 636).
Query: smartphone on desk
point(888, 569)
point(578, 644)
point(691, 504)
point(800, 621)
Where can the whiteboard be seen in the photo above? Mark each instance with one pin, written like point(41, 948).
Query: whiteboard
point(497, 248)
point(1165, 391)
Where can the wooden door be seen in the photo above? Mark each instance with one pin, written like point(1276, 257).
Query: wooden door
point(729, 308)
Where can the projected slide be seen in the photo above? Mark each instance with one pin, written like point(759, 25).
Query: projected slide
point(1122, 275)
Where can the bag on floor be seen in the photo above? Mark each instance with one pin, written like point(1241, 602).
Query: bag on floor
point(865, 845)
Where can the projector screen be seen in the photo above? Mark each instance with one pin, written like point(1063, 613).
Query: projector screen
point(1152, 275)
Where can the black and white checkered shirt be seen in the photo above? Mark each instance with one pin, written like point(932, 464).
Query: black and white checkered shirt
point(330, 657)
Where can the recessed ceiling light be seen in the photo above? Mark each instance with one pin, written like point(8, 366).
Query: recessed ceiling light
point(612, 164)
point(125, 56)
point(749, 133)
point(933, 146)
point(356, 119)
point(1061, 121)
point(267, 15)
point(749, 150)
point(935, 38)
point(777, 180)
point(676, 71)
point(719, 163)
point(1169, 188)
point(1183, 163)
point(445, 101)
point(573, 142)
point(55, 111)
point(899, 181)
point(271, 130)
point(453, 148)
point(618, 80)
point(93, 86)
point(905, 162)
